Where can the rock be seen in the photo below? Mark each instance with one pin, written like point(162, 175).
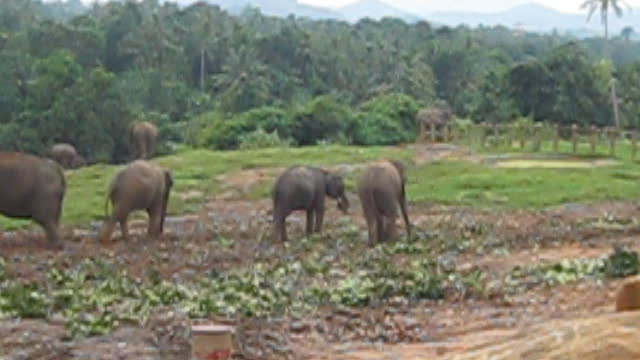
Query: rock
point(628, 296)
point(610, 336)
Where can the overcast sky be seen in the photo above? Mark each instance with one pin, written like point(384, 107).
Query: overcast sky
point(472, 5)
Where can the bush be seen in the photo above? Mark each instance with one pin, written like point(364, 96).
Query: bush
point(214, 130)
point(386, 120)
point(260, 139)
point(323, 118)
point(378, 129)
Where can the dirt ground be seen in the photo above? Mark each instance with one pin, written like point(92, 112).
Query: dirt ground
point(424, 330)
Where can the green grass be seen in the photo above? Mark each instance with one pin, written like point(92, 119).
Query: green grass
point(464, 183)
point(196, 170)
point(445, 182)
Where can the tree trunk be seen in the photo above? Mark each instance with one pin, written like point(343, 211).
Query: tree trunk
point(606, 35)
point(614, 102)
point(202, 69)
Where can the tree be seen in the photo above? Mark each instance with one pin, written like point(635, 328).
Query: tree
point(627, 33)
point(604, 6)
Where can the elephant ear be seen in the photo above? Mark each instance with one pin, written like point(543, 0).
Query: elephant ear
point(335, 186)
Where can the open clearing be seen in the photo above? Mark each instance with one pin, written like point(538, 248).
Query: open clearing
point(484, 247)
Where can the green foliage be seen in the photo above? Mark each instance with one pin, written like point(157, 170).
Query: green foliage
point(225, 134)
point(620, 263)
point(323, 118)
point(260, 139)
point(78, 74)
point(386, 120)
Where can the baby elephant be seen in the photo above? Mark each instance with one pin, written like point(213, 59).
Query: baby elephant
point(67, 156)
point(304, 188)
point(381, 189)
point(139, 186)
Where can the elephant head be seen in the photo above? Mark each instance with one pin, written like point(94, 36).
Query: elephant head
point(78, 162)
point(335, 189)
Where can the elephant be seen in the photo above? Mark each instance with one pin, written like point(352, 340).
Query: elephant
point(381, 189)
point(434, 117)
point(66, 155)
point(139, 186)
point(33, 187)
point(304, 188)
point(142, 139)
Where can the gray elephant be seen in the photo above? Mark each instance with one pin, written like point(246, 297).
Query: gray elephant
point(139, 186)
point(66, 155)
point(305, 188)
point(33, 188)
point(434, 118)
point(381, 189)
point(142, 139)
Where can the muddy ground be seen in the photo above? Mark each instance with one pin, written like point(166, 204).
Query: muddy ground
point(399, 330)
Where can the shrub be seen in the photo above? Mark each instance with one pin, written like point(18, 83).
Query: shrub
point(323, 118)
point(386, 120)
point(378, 129)
point(214, 130)
point(260, 139)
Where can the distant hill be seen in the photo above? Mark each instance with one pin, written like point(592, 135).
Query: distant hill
point(374, 9)
point(531, 16)
point(281, 8)
point(535, 17)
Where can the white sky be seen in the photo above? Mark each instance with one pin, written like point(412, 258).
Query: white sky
point(471, 5)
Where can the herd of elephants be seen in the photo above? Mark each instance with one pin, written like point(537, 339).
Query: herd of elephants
point(35, 187)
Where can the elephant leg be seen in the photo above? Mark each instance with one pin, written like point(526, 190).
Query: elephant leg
point(380, 228)
point(107, 231)
point(51, 231)
point(124, 229)
point(390, 228)
point(155, 222)
point(279, 222)
point(368, 211)
point(319, 217)
point(310, 216)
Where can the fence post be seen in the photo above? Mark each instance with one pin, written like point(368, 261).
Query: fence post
point(612, 133)
point(634, 144)
point(522, 137)
point(556, 136)
point(421, 132)
point(594, 138)
point(574, 137)
point(483, 134)
point(537, 128)
point(446, 130)
point(432, 127)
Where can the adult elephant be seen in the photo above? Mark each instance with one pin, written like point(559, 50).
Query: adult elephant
point(139, 186)
point(381, 189)
point(66, 155)
point(434, 118)
point(142, 139)
point(305, 188)
point(33, 188)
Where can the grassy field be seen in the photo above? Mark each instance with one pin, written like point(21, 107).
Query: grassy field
point(445, 182)
point(196, 171)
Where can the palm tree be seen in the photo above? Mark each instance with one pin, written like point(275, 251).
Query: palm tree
point(627, 33)
point(604, 6)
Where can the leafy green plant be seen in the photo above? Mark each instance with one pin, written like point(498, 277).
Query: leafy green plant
point(622, 263)
point(260, 139)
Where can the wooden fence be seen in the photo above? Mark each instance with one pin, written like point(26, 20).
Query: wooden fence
point(488, 135)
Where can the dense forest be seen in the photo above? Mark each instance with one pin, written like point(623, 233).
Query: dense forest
point(207, 78)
